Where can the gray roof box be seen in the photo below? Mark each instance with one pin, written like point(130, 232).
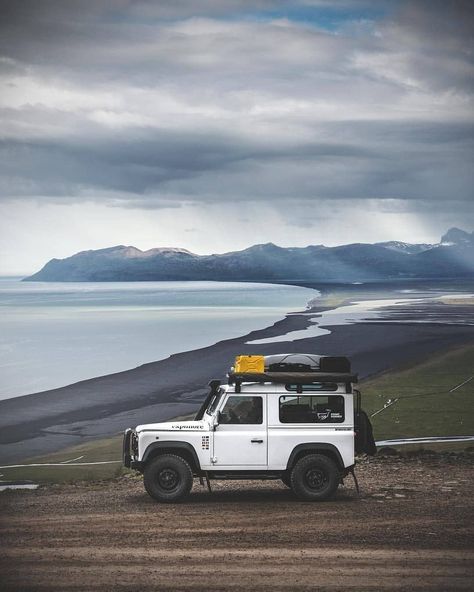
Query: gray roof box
point(306, 363)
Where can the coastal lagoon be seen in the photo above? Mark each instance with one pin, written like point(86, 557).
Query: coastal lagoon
point(53, 334)
point(427, 310)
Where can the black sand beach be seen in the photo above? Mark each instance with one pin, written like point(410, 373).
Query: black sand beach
point(48, 421)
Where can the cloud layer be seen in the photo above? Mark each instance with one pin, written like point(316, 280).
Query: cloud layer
point(145, 104)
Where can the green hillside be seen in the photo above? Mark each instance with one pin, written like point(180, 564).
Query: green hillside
point(425, 407)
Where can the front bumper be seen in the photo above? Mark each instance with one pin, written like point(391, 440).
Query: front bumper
point(129, 450)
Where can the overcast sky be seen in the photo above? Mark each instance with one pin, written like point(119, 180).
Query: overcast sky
point(214, 125)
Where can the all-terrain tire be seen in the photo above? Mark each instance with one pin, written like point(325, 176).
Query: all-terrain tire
point(168, 478)
point(315, 478)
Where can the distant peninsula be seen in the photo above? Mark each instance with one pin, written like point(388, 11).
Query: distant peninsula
point(452, 257)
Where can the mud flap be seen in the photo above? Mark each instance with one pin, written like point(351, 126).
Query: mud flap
point(356, 483)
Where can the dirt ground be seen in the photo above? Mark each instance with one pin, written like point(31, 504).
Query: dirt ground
point(411, 529)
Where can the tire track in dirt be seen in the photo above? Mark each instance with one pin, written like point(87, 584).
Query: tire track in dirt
point(410, 530)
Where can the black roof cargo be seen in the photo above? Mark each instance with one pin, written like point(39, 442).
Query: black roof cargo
point(306, 363)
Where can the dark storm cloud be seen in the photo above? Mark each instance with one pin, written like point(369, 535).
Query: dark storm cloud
point(140, 160)
point(148, 103)
point(215, 167)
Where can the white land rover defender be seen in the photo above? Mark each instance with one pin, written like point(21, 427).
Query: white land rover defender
point(294, 417)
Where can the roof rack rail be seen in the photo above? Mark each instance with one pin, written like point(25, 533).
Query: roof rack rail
point(237, 378)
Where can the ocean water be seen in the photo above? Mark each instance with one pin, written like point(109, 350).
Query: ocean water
point(53, 334)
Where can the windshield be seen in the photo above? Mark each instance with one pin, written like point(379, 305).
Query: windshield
point(214, 402)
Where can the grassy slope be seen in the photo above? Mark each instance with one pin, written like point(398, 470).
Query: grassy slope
point(442, 414)
point(97, 450)
point(108, 449)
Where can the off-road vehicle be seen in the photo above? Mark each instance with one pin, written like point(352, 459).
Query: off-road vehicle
point(294, 417)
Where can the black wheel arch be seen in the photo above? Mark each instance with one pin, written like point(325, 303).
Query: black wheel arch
point(183, 449)
point(327, 449)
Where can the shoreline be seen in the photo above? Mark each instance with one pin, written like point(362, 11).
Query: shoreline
point(55, 335)
point(45, 422)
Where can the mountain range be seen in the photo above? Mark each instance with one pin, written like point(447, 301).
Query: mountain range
point(452, 257)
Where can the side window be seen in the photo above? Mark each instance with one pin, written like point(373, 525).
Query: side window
point(311, 409)
point(242, 410)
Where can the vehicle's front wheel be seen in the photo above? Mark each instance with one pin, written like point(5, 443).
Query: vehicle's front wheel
point(315, 478)
point(168, 478)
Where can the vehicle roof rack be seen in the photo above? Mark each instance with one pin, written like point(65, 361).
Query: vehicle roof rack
point(237, 378)
point(291, 377)
point(291, 369)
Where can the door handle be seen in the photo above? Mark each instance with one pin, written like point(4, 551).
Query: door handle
point(256, 441)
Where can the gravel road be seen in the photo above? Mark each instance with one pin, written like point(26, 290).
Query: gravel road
point(410, 530)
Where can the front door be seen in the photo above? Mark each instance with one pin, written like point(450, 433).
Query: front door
point(240, 439)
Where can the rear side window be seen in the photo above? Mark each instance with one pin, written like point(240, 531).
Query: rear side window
point(311, 409)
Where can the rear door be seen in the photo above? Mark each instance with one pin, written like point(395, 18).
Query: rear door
point(240, 439)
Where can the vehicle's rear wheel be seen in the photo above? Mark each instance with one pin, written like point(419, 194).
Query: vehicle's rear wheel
point(168, 478)
point(315, 478)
